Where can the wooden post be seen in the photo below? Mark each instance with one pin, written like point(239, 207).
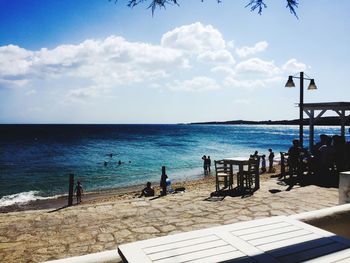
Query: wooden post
point(71, 187)
point(163, 181)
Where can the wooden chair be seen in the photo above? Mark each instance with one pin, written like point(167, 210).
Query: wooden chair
point(223, 175)
point(284, 165)
point(250, 177)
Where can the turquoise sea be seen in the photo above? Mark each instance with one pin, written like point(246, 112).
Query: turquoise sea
point(35, 160)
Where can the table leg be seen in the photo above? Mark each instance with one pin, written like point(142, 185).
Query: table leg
point(240, 177)
point(231, 177)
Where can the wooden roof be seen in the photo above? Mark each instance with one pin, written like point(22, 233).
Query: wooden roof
point(327, 106)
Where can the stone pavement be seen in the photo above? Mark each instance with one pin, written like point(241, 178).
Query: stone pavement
point(35, 236)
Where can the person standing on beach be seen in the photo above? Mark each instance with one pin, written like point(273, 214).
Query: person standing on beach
point(208, 163)
point(256, 154)
point(205, 164)
point(163, 183)
point(78, 192)
point(271, 156)
point(263, 163)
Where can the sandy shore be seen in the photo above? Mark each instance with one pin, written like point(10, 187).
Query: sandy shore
point(107, 219)
point(108, 195)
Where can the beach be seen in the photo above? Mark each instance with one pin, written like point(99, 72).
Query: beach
point(107, 219)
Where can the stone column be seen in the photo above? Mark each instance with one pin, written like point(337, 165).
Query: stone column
point(344, 187)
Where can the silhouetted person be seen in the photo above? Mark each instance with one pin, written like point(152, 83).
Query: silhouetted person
point(271, 156)
point(147, 191)
point(263, 163)
point(325, 159)
point(294, 159)
point(78, 191)
point(163, 183)
point(316, 147)
point(208, 163)
point(339, 147)
point(205, 164)
point(256, 154)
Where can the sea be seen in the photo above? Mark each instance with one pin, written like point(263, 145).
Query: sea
point(36, 160)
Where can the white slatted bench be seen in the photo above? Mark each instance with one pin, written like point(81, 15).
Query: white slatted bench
point(274, 239)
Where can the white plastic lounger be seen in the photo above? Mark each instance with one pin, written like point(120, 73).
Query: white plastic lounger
point(274, 239)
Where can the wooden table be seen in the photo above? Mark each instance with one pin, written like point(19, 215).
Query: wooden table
point(268, 240)
point(240, 162)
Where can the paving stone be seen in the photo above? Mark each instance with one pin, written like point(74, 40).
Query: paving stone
point(105, 237)
point(89, 228)
point(146, 230)
point(167, 228)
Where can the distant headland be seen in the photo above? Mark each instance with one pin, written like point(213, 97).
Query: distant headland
point(324, 121)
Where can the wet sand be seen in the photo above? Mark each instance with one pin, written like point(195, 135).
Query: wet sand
point(108, 195)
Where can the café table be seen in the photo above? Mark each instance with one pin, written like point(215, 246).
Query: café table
point(240, 162)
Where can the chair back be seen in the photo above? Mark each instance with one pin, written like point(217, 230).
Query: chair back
point(254, 164)
point(222, 175)
point(253, 169)
point(221, 167)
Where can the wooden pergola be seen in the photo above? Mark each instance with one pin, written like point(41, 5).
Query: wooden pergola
point(315, 111)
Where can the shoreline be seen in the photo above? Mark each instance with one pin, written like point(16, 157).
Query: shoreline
point(101, 196)
point(111, 218)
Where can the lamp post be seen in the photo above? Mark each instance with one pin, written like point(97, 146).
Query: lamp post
point(312, 86)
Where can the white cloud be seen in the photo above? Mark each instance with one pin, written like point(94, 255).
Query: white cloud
point(230, 44)
point(195, 38)
point(223, 69)
point(97, 66)
point(293, 65)
point(14, 62)
point(195, 84)
point(233, 82)
point(246, 51)
point(112, 61)
point(242, 101)
point(31, 92)
point(83, 93)
point(257, 66)
point(219, 57)
point(244, 83)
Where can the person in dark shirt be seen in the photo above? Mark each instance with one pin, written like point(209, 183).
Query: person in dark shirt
point(78, 192)
point(208, 163)
point(263, 163)
point(205, 164)
point(271, 156)
point(148, 190)
point(294, 153)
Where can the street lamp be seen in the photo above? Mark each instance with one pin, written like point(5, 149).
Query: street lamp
point(312, 86)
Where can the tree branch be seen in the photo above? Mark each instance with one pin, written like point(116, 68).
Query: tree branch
point(253, 4)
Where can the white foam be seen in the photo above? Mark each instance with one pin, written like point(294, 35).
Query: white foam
point(22, 198)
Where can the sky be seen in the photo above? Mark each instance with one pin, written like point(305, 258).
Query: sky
point(99, 61)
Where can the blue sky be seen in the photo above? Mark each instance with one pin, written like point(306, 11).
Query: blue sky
point(99, 62)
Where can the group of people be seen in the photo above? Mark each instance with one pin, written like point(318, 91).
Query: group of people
point(263, 161)
point(331, 154)
point(206, 164)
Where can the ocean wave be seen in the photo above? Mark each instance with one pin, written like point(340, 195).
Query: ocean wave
point(22, 198)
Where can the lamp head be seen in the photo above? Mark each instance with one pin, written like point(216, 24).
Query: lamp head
point(312, 85)
point(290, 82)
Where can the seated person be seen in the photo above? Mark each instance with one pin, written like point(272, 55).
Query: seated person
point(295, 157)
point(147, 191)
point(169, 189)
